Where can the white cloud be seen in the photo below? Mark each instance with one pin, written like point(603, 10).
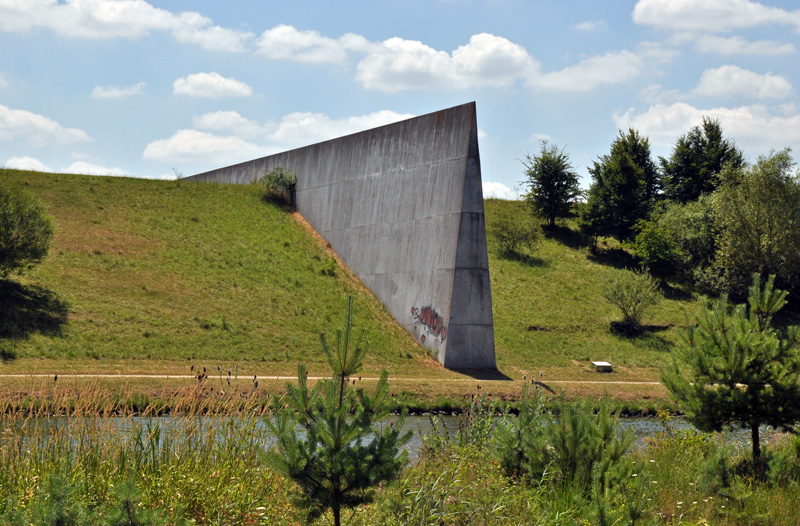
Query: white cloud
point(288, 43)
point(3, 81)
point(302, 128)
point(230, 122)
point(496, 190)
point(739, 46)
point(755, 128)
point(717, 16)
point(82, 167)
point(193, 145)
point(487, 60)
point(38, 130)
point(117, 92)
point(590, 25)
point(611, 68)
point(100, 19)
point(233, 144)
point(27, 163)
point(729, 81)
point(212, 85)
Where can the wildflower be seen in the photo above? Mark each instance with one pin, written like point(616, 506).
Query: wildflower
point(651, 460)
point(635, 475)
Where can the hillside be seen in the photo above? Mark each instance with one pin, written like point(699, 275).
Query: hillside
point(151, 276)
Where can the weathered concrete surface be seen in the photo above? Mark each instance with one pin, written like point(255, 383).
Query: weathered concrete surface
point(402, 206)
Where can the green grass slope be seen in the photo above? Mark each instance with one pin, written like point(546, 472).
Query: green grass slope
point(144, 271)
point(174, 270)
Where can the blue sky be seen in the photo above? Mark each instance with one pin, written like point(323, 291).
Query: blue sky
point(154, 88)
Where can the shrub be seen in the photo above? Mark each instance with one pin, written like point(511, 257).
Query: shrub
point(25, 229)
point(513, 228)
point(278, 186)
point(633, 293)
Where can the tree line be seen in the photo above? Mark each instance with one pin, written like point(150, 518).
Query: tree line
point(703, 215)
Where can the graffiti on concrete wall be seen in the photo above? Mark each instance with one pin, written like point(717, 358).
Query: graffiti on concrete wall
point(432, 323)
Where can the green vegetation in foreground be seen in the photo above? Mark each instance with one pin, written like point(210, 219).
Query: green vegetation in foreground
point(173, 273)
point(212, 471)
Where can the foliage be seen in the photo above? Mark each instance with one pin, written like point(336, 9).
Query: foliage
point(633, 293)
point(513, 229)
point(757, 210)
point(655, 249)
point(342, 453)
point(696, 161)
point(278, 185)
point(735, 369)
point(624, 187)
point(553, 182)
point(25, 229)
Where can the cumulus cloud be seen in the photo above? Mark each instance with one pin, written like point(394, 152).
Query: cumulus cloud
point(497, 190)
point(611, 68)
point(236, 137)
point(717, 16)
point(487, 60)
point(37, 129)
point(755, 128)
point(739, 46)
point(729, 81)
point(101, 19)
point(302, 128)
point(211, 85)
point(27, 163)
point(193, 145)
point(83, 167)
point(230, 122)
point(288, 43)
point(117, 92)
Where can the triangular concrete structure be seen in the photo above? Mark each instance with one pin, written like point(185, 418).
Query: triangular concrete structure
point(402, 206)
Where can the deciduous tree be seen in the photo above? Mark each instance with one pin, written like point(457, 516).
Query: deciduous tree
point(552, 181)
point(25, 229)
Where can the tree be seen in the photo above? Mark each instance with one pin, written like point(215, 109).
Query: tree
point(553, 183)
point(341, 452)
point(625, 184)
point(25, 229)
point(697, 159)
point(733, 368)
point(757, 213)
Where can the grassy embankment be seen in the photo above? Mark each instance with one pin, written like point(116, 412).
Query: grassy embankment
point(168, 277)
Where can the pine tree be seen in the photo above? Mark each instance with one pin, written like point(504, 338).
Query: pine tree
point(735, 369)
point(330, 441)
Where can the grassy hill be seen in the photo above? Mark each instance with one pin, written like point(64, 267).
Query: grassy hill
point(151, 276)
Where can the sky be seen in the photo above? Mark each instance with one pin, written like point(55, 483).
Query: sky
point(170, 88)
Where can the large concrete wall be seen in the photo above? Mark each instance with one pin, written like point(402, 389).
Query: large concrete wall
point(402, 206)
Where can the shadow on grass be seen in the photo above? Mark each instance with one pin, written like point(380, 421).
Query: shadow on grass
point(484, 374)
point(613, 257)
point(675, 292)
point(566, 236)
point(646, 335)
point(525, 259)
point(30, 310)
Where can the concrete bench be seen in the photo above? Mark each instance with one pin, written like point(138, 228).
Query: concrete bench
point(602, 367)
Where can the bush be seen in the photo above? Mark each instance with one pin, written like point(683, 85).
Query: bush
point(633, 293)
point(513, 228)
point(25, 230)
point(655, 249)
point(278, 186)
